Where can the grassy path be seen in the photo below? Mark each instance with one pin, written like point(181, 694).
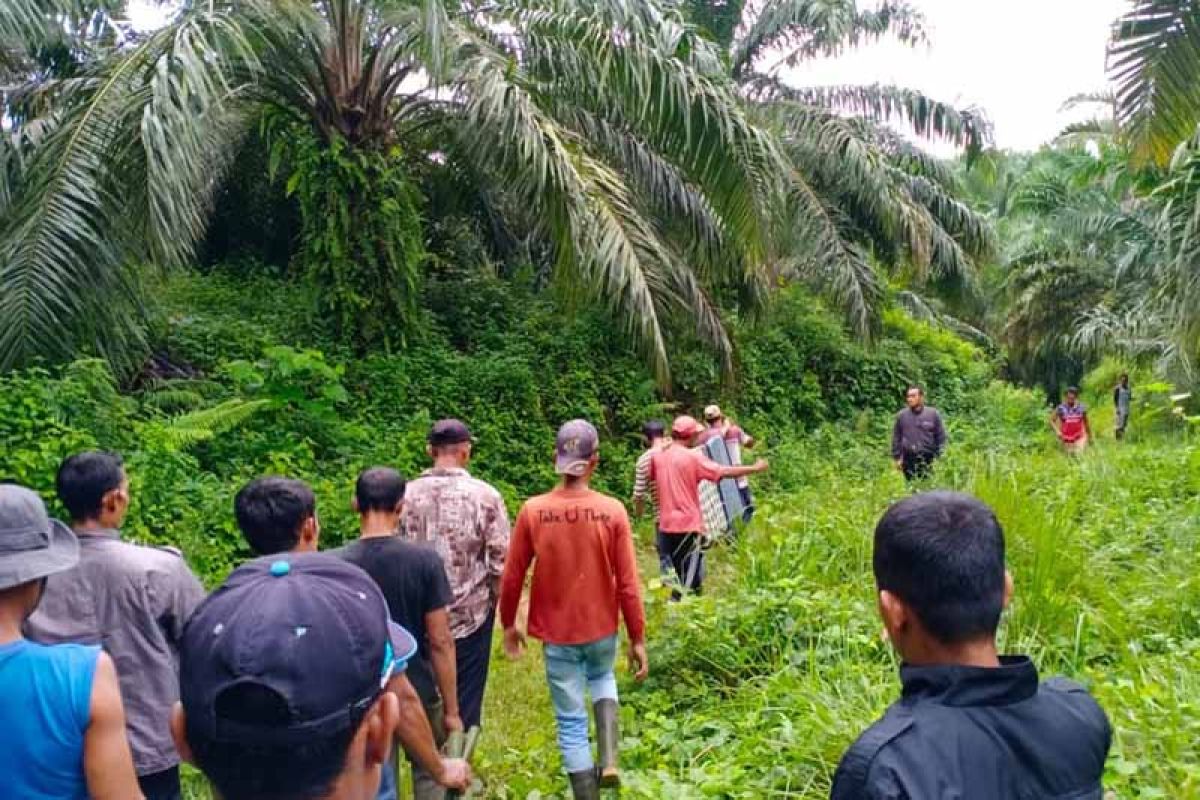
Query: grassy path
point(758, 687)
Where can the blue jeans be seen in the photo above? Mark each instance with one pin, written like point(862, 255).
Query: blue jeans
point(571, 670)
point(387, 783)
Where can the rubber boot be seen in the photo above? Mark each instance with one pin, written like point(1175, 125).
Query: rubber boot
point(584, 785)
point(606, 739)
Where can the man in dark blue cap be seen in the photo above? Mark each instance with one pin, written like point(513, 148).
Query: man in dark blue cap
point(284, 682)
point(279, 515)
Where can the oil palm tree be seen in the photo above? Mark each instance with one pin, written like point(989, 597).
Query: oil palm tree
point(612, 124)
point(862, 196)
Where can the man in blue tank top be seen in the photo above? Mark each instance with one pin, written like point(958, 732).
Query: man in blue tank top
point(62, 725)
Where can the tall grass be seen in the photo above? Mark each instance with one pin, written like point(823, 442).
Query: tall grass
point(758, 687)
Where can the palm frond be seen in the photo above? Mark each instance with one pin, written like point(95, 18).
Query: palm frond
point(584, 206)
point(815, 248)
point(1153, 60)
point(61, 268)
point(189, 429)
point(924, 309)
point(967, 128)
point(125, 177)
point(805, 29)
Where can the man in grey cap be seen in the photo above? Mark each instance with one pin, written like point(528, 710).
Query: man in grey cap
point(62, 725)
point(133, 600)
point(466, 521)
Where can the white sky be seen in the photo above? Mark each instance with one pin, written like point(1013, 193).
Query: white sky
point(1018, 60)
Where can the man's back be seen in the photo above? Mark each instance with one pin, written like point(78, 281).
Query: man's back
point(644, 488)
point(465, 520)
point(413, 582)
point(677, 472)
point(133, 601)
point(585, 570)
point(44, 718)
point(982, 734)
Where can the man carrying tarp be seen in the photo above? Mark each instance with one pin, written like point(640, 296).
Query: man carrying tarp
point(735, 438)
point(677, 471)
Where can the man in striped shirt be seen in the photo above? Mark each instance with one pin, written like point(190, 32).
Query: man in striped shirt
point(644, 489)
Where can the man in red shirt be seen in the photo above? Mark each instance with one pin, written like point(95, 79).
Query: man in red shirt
point(586, 572)
point(677, 471)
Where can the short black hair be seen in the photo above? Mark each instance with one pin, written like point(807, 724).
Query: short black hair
point(270, 512)
point(303, 771)
point(84, 478)
point(1072, 390)
point(654, 429)
point(379, 489)
point(915, 386)
point(942, 553)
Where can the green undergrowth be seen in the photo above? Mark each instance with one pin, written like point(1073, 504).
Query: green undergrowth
point(759, 686)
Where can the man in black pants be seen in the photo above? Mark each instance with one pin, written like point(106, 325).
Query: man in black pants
point(413, 581)
point(972, 723)
point(465, 520)
point(918, 436)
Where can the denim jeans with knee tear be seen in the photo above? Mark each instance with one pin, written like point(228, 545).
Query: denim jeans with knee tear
point(572, 670)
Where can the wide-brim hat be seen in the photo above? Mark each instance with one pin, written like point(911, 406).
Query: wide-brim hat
point(32, 545)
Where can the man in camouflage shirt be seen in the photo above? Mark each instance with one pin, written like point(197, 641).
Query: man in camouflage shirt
point(465, 519)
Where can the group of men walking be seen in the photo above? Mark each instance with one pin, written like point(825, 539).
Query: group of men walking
point(128, 667)
point(296, 676)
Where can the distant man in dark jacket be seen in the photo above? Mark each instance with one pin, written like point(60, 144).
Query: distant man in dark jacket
point(918, 436)
point(970, 723)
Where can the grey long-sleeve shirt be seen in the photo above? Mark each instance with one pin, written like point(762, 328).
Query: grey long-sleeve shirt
point(918, 433)
point(133, 601)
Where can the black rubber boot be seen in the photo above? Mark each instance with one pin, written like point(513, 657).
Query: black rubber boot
point(607, 739)
point(584, 785)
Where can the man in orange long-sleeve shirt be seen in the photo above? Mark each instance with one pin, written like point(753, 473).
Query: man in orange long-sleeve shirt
point(586, 572)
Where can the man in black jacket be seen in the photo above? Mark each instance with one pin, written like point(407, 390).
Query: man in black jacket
point(970, 723)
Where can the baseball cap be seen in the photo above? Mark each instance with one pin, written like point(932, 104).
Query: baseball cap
point(712, 412)
point(574, 447)
point(685, 426)
point(308, 629)
point(449, 431)
point(32, 545)
point(654, 428)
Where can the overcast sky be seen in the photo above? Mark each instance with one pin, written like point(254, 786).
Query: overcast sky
point(1018, 60)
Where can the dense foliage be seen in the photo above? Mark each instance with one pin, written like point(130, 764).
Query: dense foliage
point(510, 363)
point(660, 174)
point(505, 212)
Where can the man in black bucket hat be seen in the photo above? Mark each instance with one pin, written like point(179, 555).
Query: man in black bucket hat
point(62, 725)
